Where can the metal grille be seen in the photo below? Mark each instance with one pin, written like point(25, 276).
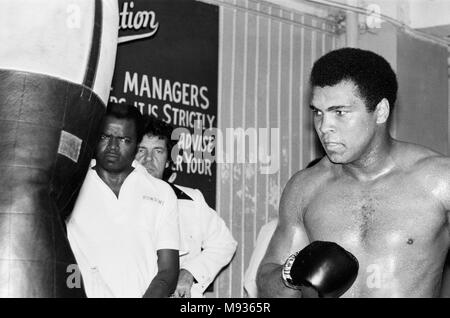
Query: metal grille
point(265, 57)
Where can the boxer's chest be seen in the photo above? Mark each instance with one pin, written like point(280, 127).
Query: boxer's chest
point(375, 217)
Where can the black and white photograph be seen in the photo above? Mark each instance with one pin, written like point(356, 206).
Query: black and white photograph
point(225, 154)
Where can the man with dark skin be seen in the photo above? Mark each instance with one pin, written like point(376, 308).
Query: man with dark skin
point(385, 201)
point(126, 236)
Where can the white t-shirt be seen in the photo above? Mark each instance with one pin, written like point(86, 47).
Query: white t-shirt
point(115, 239)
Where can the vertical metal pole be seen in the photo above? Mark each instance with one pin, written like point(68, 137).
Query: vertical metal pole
point(352, 29)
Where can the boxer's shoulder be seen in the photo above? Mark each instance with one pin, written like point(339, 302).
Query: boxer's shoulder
point(318, 175)
point(436, 165)
point(419, 160)
point(427, 169)
point(305, 183)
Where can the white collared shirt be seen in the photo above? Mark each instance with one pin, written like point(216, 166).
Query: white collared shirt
point(209, 241)
point(115, 239)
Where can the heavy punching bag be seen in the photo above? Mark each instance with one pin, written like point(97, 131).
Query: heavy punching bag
point(56, 65)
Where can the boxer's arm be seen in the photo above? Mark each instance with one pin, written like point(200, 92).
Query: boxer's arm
point(446, 175)
point(437, 179)
point(289, 237)
point(165, 281)
point(434, 172)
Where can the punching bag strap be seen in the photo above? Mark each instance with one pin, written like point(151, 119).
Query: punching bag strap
point(92, 64)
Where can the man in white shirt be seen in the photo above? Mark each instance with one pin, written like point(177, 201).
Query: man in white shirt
point(208, 240)
point(124, 229)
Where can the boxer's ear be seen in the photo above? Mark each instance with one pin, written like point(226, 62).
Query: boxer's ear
point(382, 111)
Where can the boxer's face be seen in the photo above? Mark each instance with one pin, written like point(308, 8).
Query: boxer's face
point(342, 122)
point(117, 145)
point(153, 154)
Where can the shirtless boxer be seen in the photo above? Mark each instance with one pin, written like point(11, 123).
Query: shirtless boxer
point(385, 201)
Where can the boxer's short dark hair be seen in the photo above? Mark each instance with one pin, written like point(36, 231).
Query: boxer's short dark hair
point(371, 73)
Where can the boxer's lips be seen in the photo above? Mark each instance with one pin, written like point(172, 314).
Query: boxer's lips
point(330, 145)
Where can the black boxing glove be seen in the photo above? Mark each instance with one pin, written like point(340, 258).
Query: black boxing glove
point(325, 268)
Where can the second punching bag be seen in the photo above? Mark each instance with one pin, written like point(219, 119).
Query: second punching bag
point(56, 65)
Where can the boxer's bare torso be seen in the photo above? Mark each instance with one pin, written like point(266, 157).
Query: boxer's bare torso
point(397, 224)
point(385, 201)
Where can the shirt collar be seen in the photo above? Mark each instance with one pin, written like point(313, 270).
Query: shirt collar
point(134, 164)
